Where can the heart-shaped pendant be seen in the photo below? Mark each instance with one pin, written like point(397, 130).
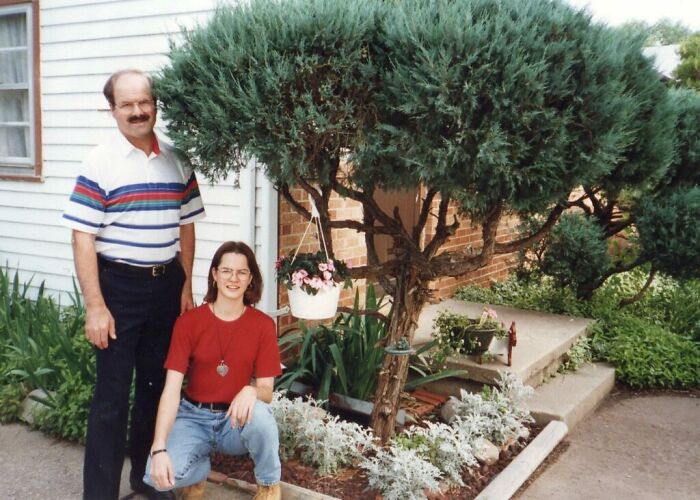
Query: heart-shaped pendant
point(222, 369)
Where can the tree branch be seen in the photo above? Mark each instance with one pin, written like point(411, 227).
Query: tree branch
point(423, 217)
point(365, 312)
point(514, 246)
point(640, 293)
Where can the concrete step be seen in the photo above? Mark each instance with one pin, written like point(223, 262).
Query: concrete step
point(543, 339)
point(571, 397)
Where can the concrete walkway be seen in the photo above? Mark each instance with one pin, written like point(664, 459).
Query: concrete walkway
point(633, 446)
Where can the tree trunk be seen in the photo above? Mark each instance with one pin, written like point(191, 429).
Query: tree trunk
point(409, 299)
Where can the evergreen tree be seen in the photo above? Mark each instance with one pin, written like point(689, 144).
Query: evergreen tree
point(495, 106)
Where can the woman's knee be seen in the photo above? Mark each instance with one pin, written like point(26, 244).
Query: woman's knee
point(263, 422)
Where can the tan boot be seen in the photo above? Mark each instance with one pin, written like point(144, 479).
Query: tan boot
point(193, 492)
point(272, 492)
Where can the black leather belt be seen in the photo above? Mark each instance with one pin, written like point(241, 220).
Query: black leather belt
point(144, 272)
point(214, 407)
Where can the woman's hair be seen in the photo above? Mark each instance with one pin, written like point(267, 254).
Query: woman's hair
point(254, 291)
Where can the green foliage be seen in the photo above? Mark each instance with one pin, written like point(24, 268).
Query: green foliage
point(579, 354)
point(649, 342)
point(11, 395)
point(271, 79)
point(345, 356)
point(669, 231)
point(647, 355)
point(451, 333)
point(541, 295)
point(688, 71)
point(576, 253)
point(43, 347)
point(685, 169)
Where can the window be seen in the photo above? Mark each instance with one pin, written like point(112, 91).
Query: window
point(20, 148)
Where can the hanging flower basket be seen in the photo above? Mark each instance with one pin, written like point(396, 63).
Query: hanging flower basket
point(323, 305)
point(313, 280)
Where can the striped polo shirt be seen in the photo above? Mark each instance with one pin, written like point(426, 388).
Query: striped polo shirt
point(134, 204)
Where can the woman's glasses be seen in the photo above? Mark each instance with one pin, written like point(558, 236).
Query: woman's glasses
point(227, 273)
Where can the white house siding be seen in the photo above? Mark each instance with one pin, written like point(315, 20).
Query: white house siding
point(82, 43)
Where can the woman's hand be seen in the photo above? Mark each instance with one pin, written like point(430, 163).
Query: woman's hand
point(241, 409)
point(162, 471)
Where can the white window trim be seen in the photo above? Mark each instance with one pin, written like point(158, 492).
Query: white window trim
point(30, 162)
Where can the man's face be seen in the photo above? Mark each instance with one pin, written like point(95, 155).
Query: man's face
point(134, 109)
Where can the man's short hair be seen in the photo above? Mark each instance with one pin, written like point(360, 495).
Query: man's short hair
point(108, 89)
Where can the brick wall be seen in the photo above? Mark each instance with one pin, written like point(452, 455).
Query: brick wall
point(349, 245)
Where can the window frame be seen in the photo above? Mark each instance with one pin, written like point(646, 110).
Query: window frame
point(34, 166)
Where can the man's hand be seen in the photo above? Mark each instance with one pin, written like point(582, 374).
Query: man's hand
point(162, 471)
point(99, 326)
point(186, 299)
point(241, 409)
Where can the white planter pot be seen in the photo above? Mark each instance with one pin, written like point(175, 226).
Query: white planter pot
point(323, 305)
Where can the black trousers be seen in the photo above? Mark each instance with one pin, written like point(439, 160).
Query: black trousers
point(144, 308)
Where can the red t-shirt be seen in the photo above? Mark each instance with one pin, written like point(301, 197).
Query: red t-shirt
point(249, 344)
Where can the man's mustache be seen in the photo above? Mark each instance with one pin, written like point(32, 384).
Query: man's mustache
point(139, 118)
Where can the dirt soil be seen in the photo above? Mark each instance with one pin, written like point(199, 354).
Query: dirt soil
point(352, 484)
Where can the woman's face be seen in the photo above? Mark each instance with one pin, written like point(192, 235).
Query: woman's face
point(233, 276)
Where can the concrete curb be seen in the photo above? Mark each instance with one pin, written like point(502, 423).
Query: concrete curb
point(289, 491)
point(525, 463)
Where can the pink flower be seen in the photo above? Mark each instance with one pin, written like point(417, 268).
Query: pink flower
point(327, 275)
point(316, 283)
point(348, 264)
point(298, 277)
point(323, 267)
point(278, 262)
point(331, 265)
point(490, 313)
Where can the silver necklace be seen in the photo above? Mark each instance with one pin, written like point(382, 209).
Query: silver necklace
point(222, 368)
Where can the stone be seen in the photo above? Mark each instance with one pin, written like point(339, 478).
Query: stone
point(32, 406)
point(447, 412)
point(486, 452)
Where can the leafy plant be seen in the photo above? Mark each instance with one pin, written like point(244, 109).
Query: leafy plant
point(345, 357)
point(312, 272)
point(578, 355)
point(440, 445)
point(649, 342)
point(43, 347)
point(401, 474)
point(320, 440)
point(647, 355)
point(577, 254)
point(450, 331)
point(11, 395)
point(496, 414)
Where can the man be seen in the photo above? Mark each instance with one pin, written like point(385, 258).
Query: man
point(132, 212)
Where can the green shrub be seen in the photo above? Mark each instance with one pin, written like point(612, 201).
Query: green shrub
point(43, 347)
point(649, 342)
point(669, 233)
point(576, 254)
point(11, 396)
point(647, 355)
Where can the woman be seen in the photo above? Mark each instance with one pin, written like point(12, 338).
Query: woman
point(219, 346)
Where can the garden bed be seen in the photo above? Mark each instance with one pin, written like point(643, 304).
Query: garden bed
point(352, 483)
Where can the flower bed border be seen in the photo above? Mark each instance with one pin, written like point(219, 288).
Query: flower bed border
point(503, 485)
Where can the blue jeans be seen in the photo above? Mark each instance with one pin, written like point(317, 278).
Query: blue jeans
point(197, 432)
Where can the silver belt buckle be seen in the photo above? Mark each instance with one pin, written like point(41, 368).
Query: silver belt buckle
point(158, 270)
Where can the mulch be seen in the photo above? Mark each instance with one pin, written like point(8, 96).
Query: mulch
point(352, 484)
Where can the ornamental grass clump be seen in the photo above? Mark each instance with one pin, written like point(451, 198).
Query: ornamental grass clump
point(312, 272)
